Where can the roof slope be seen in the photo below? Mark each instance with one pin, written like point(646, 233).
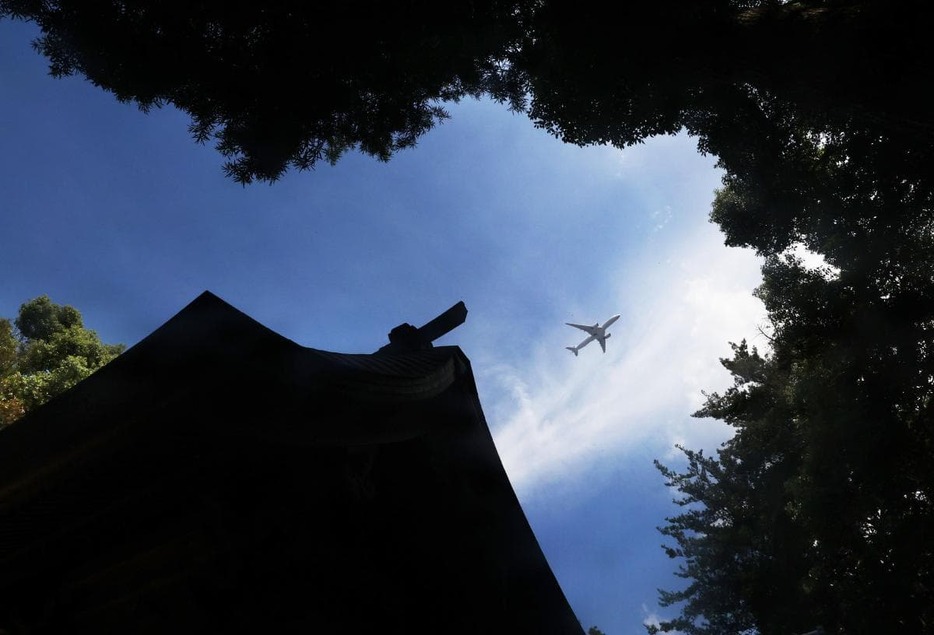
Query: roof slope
point(218, 476)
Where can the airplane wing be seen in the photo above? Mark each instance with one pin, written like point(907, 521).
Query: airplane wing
point(596, 332)
point(589, 329)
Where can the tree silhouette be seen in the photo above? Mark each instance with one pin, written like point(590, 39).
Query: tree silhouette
point(290, 84)
point(817, 511)
point(286, 83)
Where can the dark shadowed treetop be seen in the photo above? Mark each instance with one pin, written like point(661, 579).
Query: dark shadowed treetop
point(818, 510)
point(282, 84)
point(287, 84)
point(801, 102)
point(602, 74)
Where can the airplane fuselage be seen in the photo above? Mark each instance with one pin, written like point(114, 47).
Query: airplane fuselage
point(595, 332)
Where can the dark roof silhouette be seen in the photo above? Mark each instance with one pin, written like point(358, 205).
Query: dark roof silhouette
point(218, 477)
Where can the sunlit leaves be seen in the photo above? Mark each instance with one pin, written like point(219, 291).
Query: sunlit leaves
point(8, 347)
point(49, 352)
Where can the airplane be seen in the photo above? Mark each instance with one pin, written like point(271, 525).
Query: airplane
point(596, 332)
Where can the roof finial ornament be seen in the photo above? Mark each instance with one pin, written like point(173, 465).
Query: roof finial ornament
point(406, 338)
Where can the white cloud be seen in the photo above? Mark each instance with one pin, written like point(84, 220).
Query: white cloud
point(812, 260)
point(556, 417)
point(651, 618)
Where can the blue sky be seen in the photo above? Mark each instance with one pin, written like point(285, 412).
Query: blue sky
point(123, 216)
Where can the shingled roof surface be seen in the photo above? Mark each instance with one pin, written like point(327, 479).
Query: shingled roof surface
point(218, 477)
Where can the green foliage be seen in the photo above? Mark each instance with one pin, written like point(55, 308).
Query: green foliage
point(815, 512)
point(739, 544)
point(818, 510)
point(8, 347)
point(49, 352)
point(593, 630)
point(40, 318)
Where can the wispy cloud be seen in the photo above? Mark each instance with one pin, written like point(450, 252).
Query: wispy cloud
point(555, 417)
point(661, 217)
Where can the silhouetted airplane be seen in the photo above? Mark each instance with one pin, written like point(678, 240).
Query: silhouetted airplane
point(596, 332)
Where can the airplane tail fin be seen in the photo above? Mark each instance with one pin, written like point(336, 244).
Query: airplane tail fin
point(572, 349)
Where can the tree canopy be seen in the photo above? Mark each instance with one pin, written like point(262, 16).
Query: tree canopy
point(45, 351)
point(289, 84)
point(818, 511)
